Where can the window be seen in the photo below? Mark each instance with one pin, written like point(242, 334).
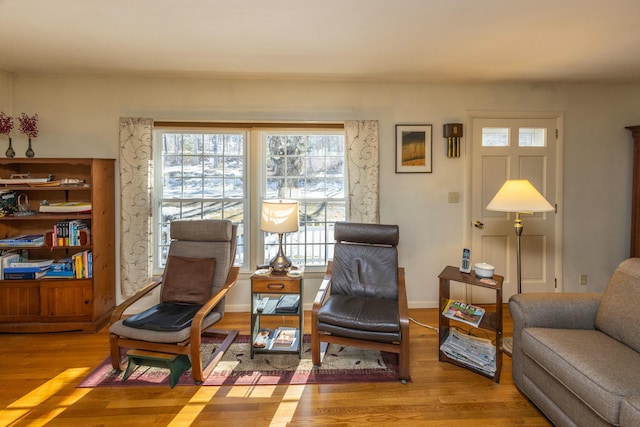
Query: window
point(205, 174)
point(527, 137)
point(308, 167)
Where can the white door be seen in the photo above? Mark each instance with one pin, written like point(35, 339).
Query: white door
point(514, 148)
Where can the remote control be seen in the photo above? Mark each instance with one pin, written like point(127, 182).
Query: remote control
point(262, 304)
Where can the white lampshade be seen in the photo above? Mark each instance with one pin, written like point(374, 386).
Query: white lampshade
point(519, 195)
point(279, 216)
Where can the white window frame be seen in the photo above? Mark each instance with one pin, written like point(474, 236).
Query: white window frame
point(254, 181)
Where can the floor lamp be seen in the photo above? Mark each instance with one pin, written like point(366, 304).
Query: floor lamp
point(521, 197)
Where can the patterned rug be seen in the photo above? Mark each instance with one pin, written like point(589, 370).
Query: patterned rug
point(340, 365)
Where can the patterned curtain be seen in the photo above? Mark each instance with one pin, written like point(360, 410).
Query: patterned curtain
point(135, 203)
point(363, 165)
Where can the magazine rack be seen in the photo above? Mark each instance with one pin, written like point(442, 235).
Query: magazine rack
point(491, 321)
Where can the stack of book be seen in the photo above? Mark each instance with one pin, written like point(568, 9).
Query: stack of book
point(61, 268)
point(70, 233)
point(478, 353)
point(27, 269)
point(23, 241)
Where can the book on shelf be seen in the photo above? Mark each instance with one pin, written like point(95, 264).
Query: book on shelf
point(69, 233)
point(31, 263)
point(64, 273)
point(284, 339)
point(68, 207)
point(463, 312)
point(288, 303)
point(23, 240)
point(24, 276)
point(7, 258)
point(83, 264)
point(16, 269)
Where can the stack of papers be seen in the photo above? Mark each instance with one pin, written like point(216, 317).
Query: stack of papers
point(478, 353)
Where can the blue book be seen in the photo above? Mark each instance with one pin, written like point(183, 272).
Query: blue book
point(14, 269)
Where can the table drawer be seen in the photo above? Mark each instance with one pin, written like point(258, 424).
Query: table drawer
point(276, 285)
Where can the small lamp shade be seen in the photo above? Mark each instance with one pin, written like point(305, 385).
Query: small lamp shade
point(279, 216)
point(519, 195)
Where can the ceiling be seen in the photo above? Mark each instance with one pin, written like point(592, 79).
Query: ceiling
point(368, 40)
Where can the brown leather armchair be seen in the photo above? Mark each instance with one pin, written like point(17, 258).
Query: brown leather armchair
point(362, 300)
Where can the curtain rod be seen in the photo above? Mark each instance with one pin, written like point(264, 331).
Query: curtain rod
point(248, 125)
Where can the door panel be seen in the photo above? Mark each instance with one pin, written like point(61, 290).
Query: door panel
point(513, 149)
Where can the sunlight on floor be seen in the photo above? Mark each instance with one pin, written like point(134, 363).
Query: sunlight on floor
point(28, 402)
point(288, 406)
point(192, 409)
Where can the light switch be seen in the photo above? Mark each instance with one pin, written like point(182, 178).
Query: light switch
point(454, 197)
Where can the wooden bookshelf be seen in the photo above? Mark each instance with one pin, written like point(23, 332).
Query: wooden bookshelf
point(62, 304)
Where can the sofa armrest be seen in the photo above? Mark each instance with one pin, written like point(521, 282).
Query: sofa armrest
point(549, 310)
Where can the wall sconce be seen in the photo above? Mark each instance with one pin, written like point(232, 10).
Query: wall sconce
point(453, 133)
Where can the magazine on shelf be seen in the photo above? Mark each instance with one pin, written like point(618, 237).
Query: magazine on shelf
point(284, 339)
point(68, 207)
point(463, 312)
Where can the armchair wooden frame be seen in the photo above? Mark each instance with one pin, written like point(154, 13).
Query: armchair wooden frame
point(401, 348)
point(189, 347)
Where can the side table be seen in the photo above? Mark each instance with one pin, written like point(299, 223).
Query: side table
point(491, 321)
point(273, 286)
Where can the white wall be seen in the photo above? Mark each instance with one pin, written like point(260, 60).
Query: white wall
point(79, 118)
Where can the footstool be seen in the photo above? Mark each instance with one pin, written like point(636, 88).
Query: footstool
point(175, 362)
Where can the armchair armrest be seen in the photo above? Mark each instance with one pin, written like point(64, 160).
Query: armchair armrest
point(119, 310)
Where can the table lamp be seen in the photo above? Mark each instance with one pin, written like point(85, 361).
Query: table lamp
point(279, 216)
point(521, 197)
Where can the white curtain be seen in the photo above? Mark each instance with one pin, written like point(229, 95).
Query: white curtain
point(363, 165)
point(136, 176)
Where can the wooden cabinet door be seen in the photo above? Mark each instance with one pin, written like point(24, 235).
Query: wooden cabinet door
point(19, 301)
point(66, 300)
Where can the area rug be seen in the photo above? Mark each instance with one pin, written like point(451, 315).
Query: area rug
point(340, 365)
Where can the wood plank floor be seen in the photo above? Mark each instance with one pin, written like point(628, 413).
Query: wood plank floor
point(39, 374)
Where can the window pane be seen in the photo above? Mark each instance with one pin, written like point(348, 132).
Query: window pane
point(532, 137)
point(200, 174)
point(309, 168)
point(495, 137)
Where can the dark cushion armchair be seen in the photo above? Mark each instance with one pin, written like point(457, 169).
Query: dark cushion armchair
point(198, 274)
point(362, 300)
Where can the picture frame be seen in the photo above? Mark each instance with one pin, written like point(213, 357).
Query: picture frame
point(414, 148)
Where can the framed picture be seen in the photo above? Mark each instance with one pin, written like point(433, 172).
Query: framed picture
point(413, 148)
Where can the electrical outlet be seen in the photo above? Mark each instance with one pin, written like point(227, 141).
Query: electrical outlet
point(583, 279)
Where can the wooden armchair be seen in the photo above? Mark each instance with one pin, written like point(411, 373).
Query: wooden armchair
point(362, 300)
point(197, 277)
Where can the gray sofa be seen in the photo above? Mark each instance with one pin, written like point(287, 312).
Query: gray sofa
point(577, 356)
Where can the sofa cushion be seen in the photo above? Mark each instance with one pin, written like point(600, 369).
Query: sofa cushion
point(618, 315)
point(582, 360)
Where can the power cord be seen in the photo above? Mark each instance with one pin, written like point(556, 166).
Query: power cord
point(424, 325)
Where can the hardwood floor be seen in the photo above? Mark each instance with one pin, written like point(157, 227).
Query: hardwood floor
point(39, 374)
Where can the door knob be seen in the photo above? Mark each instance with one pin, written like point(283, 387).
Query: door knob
point(478, 224)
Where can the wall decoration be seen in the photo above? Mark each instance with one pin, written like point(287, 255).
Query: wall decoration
point(413, 148)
